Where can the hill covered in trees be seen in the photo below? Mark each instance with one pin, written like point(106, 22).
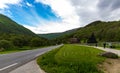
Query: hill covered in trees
point(16, 35)
point(8, 26)
point(13, 35)
point(103, 31)
point(51, 36)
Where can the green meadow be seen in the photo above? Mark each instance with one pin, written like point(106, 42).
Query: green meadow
point(71, 59)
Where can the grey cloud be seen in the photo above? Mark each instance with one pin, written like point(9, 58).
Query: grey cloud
point(105, 10)
point(108, 9)
point(109, 4)
point(78, 2)
point(85, 12)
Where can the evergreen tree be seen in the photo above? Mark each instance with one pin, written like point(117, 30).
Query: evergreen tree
point(92, 39)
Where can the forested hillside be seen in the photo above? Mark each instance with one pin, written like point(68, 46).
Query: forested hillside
point(8, 26)
point(15, 36)
point(56, 35)
point(104, 31)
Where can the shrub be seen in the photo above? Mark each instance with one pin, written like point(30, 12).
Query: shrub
point(4, 44)
point(36, 42)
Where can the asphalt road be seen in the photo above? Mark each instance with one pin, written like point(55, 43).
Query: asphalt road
point(12, 61)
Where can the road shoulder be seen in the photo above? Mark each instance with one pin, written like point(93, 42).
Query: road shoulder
point(109, 50)
point(30, 67)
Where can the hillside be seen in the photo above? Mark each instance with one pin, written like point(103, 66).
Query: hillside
point(8, 26)
point(56, 35)
point(51, 35)
point(104, 31)
point(16, 37)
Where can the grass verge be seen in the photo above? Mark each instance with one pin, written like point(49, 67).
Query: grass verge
point(11, 51)
point(25, 48)
point(71, 59)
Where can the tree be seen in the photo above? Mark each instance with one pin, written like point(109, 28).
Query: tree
point(5, 44)
point(18, 41)
point(37, 42)
point(92, 39)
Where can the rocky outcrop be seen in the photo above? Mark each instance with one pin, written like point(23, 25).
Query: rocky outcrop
point(109, 55)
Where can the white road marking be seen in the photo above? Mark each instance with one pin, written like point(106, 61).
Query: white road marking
point(8, 66)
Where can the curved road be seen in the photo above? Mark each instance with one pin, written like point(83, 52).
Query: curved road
point(10, 62)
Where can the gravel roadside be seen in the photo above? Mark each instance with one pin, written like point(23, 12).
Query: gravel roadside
point(30, 67)
point(109, 50)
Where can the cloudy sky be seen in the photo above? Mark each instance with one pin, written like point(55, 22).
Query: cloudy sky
point(49, 16)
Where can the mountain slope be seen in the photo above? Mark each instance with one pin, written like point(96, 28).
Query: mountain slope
point(50, 35)
point(8, 26)
point(104, 31)
point(14, 36)
point(56, 35)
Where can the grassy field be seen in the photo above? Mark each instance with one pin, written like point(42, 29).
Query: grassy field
point(71, 59)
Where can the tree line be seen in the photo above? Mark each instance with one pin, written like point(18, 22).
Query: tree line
point(103, 31)
point(11, 41)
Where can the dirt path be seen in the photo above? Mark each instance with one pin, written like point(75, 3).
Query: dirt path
point(110, 65)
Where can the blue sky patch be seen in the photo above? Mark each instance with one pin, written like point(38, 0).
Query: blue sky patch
point(30, 12)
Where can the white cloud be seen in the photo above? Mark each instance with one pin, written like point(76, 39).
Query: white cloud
point(50, 27)
point(73, 13)
point(28, 4)
point(62, 9)
point(4, 3)
point(76, 13)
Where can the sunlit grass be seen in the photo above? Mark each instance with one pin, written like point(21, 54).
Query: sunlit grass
point(71, 59)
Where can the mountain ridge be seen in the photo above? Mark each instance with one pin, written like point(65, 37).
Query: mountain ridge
point(56, 35)
point(104, 32)
point(9, 26)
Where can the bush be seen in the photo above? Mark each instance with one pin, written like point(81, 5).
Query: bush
point(36, 42)
point(18, 41)
point(4, 44)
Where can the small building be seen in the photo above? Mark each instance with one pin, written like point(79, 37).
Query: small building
point(74, 40)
